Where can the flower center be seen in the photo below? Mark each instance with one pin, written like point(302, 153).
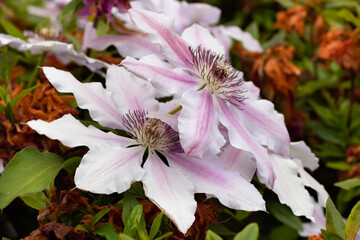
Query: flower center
point(151, 133)
point(220, 78)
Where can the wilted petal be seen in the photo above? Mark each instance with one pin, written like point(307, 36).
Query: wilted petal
point(171, 191)
point(249, 43)
point(198, 124)
point(91, 96)
point(264, 123)
point(197, 35)
point(161, 76)
point(290, 188)
point(107, 169)
point(209, 177)
point(161, 30)
point(72, 133)
point(311, 182)
point(234, 159)
point(130, 92)
point(301, 151)
point(240, 138)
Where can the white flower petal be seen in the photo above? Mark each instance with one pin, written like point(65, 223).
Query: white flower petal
point(197, 35)
point(171, 191)
point(107, 169)
point(209, 177)
point(130, 92)
point(301, 151)
point(91, 96)
point(72, 133)
point(290, 188)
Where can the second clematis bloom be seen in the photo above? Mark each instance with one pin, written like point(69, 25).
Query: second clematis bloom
point(169, 176)
point(212, 93)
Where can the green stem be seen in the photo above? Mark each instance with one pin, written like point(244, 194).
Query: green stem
point(352, 99)
point(34, 74)
point(175, 110)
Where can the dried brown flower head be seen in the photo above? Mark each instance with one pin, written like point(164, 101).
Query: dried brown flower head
point(292, 19)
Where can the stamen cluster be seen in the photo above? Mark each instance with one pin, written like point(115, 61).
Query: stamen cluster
point(218, 75)
point(151, 133)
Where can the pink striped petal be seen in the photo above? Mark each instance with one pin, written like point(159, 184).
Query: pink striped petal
point(234, 159)
point(197, 35)
point(302, 152)
point(107, 169)
point(161, 30)
point(240, 138)
point(161, 76)
point(171, 191)
point(72, 133)
point(209, 177)
point(265, 124)
point(290, 188)
point(198, 124)
point(130, 92)
point(91, 96)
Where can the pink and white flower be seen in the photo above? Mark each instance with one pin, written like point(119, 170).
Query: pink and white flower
point(211, 91)
point(114, 162)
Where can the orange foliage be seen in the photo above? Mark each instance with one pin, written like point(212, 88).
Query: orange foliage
point(342, 45)
point(292, 19)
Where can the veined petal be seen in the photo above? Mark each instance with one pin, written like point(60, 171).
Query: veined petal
point(311, 182)
point(161, 76)
point(107, 169)
point(197, 35)
point(91, 96)
point(130, 92)
point(290, 188)
point(302, 152)
point(209, 177)
point(171, 191)
point(72, 133)
point(234, 159)
point(161, 30)
point(249, 43)
point(264, 123)
point(198, 124)
point(240, 138)
point(252, 91)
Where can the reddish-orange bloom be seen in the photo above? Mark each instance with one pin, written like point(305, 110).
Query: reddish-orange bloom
point(292, 19)
point(342, 45)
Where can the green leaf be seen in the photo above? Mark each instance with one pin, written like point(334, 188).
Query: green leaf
point(165, 235)
point(81, 228)
point(284, 214)
point(342, 166)
point(69, 10)
point(133, 219)
point(98, 216)
point(334, 220)
point(348, 184)
point(277, 38)
point(329, 235)
point(286, 3)
point(283, 232)
point(155, 226)
point(123, 236)
point(107, 231)
point(210, 235)
point(250, 232)
point(353, 222)
point(30, 171)
point(35, 200)
point(12, 29)
point(129, 203)
point(102, 28)
point(253, 29)
point(71, 164)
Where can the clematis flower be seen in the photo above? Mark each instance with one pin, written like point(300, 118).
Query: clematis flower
point(96, 8)
point(39, 44)
point(135, 44)
point(290, 176)
point(170, 177)
point(211, 91)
